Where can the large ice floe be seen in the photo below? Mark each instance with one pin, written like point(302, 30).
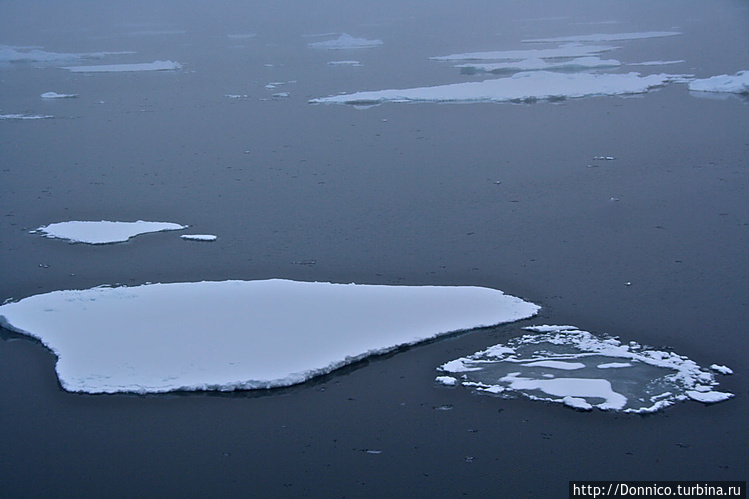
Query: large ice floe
point(734, 84)
point(240, 334)
point(580, 370)
point(344, 42)
point(122, 68)
point(102, 232)
point(520, 87)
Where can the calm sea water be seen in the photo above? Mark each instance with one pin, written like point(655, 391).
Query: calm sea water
point(497, 195)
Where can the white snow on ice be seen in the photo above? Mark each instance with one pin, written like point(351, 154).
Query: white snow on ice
point(121, 68)
point(102, 232)
point(602, 372)
point(345, 41)
point(240, 334)
point(520, 87)
point(604, 37)
point(55, 95)
point(199, 237)
point(736, 84)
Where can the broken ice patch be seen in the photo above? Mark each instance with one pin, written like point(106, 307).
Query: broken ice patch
point(240, 334)
point(103, 232)
point(578, 369)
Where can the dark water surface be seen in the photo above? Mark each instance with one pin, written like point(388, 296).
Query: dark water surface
point(496, 195)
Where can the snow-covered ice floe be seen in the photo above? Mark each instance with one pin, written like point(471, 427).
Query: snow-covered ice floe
point(102, 232)
point(520, 87)
point(240, 334)
point(736, 84)
point(578, 369)
point(55, 95)
point(345, 41)
point(606, 37)
point(122, 68)
point(199, 237)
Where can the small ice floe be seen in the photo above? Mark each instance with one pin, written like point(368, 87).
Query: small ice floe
point(240, 334)
point(578, 369)
point(736, 84)
point(721, 369)
point(521, 87)
point(102, 232)
point(123, 68)
point(345, 63)
point(569, 50)
point(237, 96)
point(345, 41)
point(198, 237)
point(605, 37)
point(603, 158)
point(55, 95)
point(25, 116)
point(446, 380)
point(539, 65)
point(280, 95)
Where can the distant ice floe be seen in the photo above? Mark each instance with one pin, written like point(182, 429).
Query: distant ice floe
point(13, 54)
point(736, 84)
point(157, 32)
point(569, 50)
point(25, 116)
point(605, 37)
point(345, 41)
point(655, 63)
point(120, 68)
point(240, 334)
point(103, 232)
point(539, 65)
point(521, 87)
point(199, 237)
point(55, 95)
point(242, 36)
point(573, 367)
point(345, 63)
